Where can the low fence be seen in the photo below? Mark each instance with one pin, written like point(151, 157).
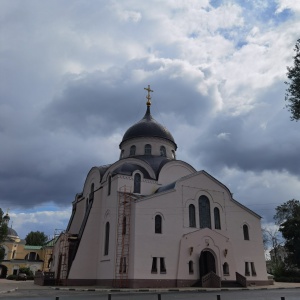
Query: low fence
point(159, 297)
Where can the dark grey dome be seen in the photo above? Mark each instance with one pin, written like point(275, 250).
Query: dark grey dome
point(148, 127)
point(11, 232)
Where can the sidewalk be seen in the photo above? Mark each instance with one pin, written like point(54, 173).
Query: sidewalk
point(9, 286)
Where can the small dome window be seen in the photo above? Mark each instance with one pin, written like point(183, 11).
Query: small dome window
point(173, 154)
point(132, 150)
point(163, 151)
point(148, 149)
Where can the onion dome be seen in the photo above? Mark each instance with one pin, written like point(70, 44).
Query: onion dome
point(148, 127)
point(12, 233)
point(6, 219)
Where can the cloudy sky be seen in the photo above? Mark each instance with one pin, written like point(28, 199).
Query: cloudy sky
point(72, 78)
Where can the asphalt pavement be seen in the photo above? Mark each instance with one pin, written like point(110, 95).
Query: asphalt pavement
point(28, 290)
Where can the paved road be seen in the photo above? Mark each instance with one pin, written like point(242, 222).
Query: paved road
point(289, 294)
point(27, 290)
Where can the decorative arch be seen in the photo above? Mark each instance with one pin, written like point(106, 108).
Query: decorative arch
point(207, 262)
point(106, 240)
point(246, 232)
point(204, 212)
point(132, 150)
point(158, 224)
point(192, 215)
point(148, 149)
point(137, 179)
point(217, 218)
point(163, 151)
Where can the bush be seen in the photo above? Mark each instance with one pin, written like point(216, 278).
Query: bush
point(11, 277)
point(287, 279)
point(27, 271)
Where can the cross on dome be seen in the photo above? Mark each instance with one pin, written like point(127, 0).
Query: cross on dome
point(148, 96)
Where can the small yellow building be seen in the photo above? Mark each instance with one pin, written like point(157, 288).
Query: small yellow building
point(19, 255)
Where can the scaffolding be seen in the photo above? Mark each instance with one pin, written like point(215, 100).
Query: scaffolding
point(123, 237)
point(62, 272)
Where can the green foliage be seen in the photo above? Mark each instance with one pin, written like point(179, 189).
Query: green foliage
point(287, 211)
point(36, 238)
point(11, 277)
point(293, 91)
point(288, 217)
point(3, 234)
point(27, 271)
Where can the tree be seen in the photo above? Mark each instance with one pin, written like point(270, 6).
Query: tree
point(36, 238)
point(288, 218)
point(292, 94)
point(3, 234)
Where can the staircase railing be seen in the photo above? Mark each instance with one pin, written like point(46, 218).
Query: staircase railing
point(242, 280)
point(211, 279)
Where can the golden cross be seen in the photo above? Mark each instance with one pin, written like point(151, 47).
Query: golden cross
point(148, 96)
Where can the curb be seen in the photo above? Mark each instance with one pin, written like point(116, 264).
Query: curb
point(8, 291)
point(167, 290)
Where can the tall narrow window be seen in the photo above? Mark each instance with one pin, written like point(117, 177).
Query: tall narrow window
point(158, 224)
point(122, 154)
point(13, 254)
point(109, 185)
point(124, 226)
point(132, 150)
point(163, 269)
point(217, 218)
point(154, 265)
point(163, 151)
point(191, 267)
point(204, 212)
point(246, 232)
point(148, 149)
point(192, 215)
point(247, 271)
point(106, 242)
point(225, 268)
point(253, 272)
point(91, 196)
point(137, 183)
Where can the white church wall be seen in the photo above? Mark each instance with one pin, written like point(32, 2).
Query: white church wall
point(173, 171)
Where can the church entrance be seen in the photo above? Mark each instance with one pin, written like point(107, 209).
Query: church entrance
point(207, 263)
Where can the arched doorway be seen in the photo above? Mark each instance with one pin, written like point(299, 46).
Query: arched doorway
point(207, 263)
point(3, 271)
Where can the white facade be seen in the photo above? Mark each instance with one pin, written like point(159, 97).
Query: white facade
point(160, 237)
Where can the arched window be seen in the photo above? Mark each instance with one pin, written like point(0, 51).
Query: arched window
point(217, 218)
point(173, 154)
point(204, 212)
point(192, 215)
point(106, 242)
point(158, 224)
point(122, 154)
point(132, 150)
point(124, 226)
point(32, 256)
point(163, 151)
point(191, 267)
point(225, 268)
point(137, 183)
point(148, 149)
point(109, 185)
point(246, 232)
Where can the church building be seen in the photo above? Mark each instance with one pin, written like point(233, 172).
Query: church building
point(151, 220)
